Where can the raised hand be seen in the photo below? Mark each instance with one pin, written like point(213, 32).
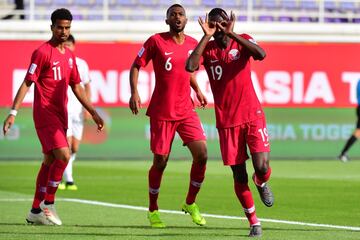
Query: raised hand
point(209, 28)
point(227, 26)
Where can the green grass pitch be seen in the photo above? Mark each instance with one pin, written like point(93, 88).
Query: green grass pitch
point(323, 193)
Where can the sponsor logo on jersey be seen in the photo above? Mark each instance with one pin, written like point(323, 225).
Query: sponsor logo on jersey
point(56, 63)
point(142, 50)
point(168, 53)
point(214, 61)
point(234, 54)
point(32, 68)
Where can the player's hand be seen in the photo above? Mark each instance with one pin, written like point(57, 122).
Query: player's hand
point(9, 121)
point(202, 99)
point(99, 121)
point(135, 103)
point(209, 28)
point(227, 26)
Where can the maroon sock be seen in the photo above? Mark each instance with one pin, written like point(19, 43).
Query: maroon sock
point(260, 179)
point(244, 195)
point(155, 176)
point(197, 176)
point(57, 169)
point(41, 182)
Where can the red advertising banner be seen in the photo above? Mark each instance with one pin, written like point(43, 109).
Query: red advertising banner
point(292, 74)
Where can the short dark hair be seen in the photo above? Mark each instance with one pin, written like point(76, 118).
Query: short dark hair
point(61, 14)
point(172, 6)
point(71, 39)
point(217, 12)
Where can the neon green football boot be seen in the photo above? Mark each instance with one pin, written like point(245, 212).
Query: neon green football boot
point(194, 211)
point(155, 221)
point(62, 186)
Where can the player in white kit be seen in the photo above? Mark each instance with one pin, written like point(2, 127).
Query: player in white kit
point(76, 115)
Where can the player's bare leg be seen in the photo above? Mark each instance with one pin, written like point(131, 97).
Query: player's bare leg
point(198, 150)
point(261, 177)
point(155, 174)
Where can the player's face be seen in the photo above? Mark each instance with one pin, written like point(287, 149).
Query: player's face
point(176, 19)
point(219, 35)
point(61, 30)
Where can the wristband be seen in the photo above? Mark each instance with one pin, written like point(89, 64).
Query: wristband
point(13, 112)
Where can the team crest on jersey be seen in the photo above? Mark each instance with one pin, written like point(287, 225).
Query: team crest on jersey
point(141, 52)
point(234, 54)
point(71, 62)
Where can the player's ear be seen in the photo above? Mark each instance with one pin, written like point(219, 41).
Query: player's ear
point(167, 22)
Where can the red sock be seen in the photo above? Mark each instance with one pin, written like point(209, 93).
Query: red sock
point(244, 195)
point(40, 189)
point(57, 169)
point(260, 179)
point(155, 176)
point(197, 176)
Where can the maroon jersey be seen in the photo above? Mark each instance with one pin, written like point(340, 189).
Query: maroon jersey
point(171, 97)
point(52, 72)
point(230, 80)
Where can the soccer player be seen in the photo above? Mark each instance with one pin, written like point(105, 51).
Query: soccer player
point(52, 70)
point(240, 119)
point(75, 118)
point(171, 109)
point(356, 134)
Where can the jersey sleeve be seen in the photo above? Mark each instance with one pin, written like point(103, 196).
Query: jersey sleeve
point(86, 75)
point(248, 37)
point(146, 52)
point(38, 60)
point(74, 76)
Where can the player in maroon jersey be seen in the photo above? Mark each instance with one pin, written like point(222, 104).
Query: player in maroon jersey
point(171, 109)
point(240, 119)
point(52, 70)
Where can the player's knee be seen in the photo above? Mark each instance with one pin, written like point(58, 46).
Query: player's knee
point(160, 161)
point(201, 157)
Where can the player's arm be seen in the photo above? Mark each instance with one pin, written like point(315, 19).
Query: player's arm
point(9, 121)
point(200, 96)
point(134, 102)
point(81, 96)
point(192, 63)
point(255, 50)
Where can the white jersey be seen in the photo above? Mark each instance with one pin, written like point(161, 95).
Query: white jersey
point(75, 109)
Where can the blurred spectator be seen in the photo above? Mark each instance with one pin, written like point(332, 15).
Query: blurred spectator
point(19, 5)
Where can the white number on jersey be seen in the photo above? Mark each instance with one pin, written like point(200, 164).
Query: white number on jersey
point(264, 134)
point(57, 73)
point(168, 65)
point(216, 72)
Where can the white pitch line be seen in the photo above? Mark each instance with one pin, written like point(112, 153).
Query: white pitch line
point(115, 205)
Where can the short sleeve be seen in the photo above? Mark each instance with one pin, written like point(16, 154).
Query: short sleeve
point(74, 76)
point(146, 52)
point(38, 60)
point(248, 37)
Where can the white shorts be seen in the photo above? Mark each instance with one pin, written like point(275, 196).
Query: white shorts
point(75, 128)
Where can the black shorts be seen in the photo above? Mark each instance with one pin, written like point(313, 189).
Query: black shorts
point(358, 116)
